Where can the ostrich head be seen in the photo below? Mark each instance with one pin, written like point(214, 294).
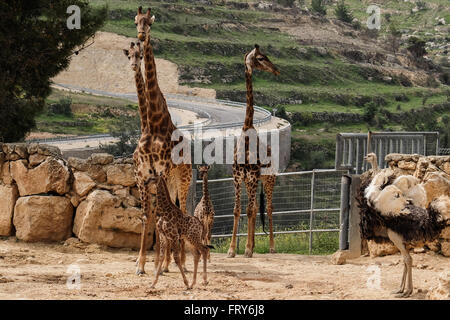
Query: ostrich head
point(372, 159)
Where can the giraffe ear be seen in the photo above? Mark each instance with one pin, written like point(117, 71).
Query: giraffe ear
point(152, 19)
point(126, 52)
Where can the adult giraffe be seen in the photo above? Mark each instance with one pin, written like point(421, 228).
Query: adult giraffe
point(250, 171)
point(154, 150)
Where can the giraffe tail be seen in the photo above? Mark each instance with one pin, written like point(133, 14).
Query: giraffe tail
point(262, 209)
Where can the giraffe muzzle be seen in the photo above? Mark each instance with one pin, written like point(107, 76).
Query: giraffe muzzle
point(141, 36)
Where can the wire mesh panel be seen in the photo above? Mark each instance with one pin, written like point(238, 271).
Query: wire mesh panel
point(303, 202)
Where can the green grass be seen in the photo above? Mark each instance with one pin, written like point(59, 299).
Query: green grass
point(323, 243)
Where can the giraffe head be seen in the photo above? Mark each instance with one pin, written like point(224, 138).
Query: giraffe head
point(143, 22)
point(134, 54)
point(256, 60)
point(203, 170)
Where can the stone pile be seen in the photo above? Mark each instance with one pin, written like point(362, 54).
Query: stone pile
point(46, 198)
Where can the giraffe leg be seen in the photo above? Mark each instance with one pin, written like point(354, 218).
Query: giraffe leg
point(251, 214)
point(237, 215)
point(407, 271)
point(175, 244)
point(163, 246)
point(196, 260)
point(166, 258)
point(205, 254)
point(146, 220)
point(268, 189)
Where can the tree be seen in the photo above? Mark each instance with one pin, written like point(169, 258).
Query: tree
point(417, 47)
point(36, 45)
point(318, 6)
point(343, 12)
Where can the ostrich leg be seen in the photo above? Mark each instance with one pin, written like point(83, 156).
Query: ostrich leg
point(407, 270)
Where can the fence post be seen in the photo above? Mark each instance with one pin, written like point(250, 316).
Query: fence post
point(313, 180)
point(354, 219)
point(344, 213)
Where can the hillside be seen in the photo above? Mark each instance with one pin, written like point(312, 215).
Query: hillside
point(327, 66)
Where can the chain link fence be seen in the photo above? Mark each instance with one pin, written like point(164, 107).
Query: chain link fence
point(305, 202)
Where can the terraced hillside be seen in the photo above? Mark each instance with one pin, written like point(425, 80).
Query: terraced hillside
point(335, 76)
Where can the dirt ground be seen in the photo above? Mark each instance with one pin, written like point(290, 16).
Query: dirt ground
point(42, 271)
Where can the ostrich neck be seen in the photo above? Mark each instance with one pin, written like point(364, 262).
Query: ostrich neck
point(250, 109)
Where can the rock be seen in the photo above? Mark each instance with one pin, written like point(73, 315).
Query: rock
point(36, 159)
point(419, 250)
point(101, 158)
point(5, 175)
point(445, 248)
point(50, 176)
point(8, 196)
point(434, 246)
point(406, 165)
point(381, 249)
point(47, 150)
point(21, 150)
point(101, 219)
point(445, 234)
point(78, 164)
point(338, 258)
point(446, 167)
point(121, 174)
point(442, 290)
point(97, 173)
point(43, 218)
point(82, 183)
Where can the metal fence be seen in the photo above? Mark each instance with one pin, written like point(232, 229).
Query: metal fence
point(352, 147)
point(304, 202)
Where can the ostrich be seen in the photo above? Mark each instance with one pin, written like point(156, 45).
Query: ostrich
point(387, 213)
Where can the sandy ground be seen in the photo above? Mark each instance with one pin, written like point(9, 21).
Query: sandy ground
point(41, 271)
point(103, 66)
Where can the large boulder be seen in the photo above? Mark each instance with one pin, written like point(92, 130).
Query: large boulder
point(82, 183)
point(101, 158)
point(5, 173)
point(50, 176)
point(8, 196)
point(381, 249)
point(121, 174)
point(103, 219)
point(43, 218)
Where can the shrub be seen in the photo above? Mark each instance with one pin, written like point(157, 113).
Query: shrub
point(318, 6)
point(62, 107)
point(343, 12)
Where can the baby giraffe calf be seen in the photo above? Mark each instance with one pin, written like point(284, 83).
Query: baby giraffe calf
point(174, 226)
point(205, 210)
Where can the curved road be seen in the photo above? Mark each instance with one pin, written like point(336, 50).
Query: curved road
point(218, 112)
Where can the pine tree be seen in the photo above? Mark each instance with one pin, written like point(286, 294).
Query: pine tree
point(36, 45)
point(343, 12)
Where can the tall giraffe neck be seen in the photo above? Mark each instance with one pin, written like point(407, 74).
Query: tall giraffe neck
point(142, 101)
point(205, 185)
point(163, 197)
point(249, 112)
point(158, 115)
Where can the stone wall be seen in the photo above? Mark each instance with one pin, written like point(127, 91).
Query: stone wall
point(46, 198)
point(434, 173)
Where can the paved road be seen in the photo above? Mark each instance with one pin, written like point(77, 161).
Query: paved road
point(217, 112)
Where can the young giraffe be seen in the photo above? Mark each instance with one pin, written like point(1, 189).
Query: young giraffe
point(155, 147)
point(205, 209)
point(173, 226)
point(250, 171)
